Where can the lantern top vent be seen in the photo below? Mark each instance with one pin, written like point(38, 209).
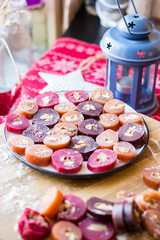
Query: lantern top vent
point(139, 26)
point(134, 41)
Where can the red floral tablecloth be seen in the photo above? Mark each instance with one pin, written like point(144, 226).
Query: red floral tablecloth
point(63, 57)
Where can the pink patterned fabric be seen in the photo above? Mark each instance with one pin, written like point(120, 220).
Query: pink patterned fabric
point(63, 57)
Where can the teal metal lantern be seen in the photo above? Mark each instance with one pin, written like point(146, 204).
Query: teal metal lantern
point(132, 49)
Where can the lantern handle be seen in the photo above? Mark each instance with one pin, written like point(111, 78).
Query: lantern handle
point(134, 7)
point(119, 7)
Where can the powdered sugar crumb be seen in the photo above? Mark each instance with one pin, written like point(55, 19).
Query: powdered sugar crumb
point(123, 237)
point(19, 174)
point(6, 179)
point(156, 142)
point(155, 155)
point(12, 195)
point(18, 237)
point(29, 177)
point(154, 148)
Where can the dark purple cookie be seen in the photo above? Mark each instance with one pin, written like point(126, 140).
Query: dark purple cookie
point(83, 144)
point(90, 109)
point(118, 216)
point(37, 132)
point(94, 229)
point(72, 209)
point(67, 161)
point(133, 133)
point(132, 216)
point(90, 127)
point(99, 208)
point(46, 116)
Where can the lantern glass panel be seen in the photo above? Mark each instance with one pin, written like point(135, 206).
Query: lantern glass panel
point(124, 71)
point(148, 84)
point(124, 80)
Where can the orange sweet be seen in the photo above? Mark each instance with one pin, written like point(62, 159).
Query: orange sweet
point(114, 106)
point(74, 117)
point(109, 121)
point(140, 202)
point(151, 177)
point(152, 200)
point(125, 151)
point(19, 143)
point(57, 141)
point(65, 128)
point(50, 202)
point(27, 108)
point(65, 230)
point(107, 139)
point(101, 95)
point(130, 117)
point(148, 200)
point(39, 155)
point(64, 107)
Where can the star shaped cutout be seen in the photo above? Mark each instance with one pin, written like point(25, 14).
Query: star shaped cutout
point(135, 16)
point(70, 81)
point(109, 45)
point(140, 53)
point(131, 25)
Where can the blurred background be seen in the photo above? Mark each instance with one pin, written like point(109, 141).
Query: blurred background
point(54, 16)
point(30, 27)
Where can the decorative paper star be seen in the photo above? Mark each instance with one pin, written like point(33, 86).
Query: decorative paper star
point(109, 45)
point(135, 16)
point(71, 81)
point(140, 53)
point(131, 25)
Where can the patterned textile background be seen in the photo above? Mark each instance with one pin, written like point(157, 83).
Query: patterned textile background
point(63, 57)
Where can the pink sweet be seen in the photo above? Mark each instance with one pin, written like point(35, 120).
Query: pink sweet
point(67, 160)
point(102, 160)
point(47, 99)
point(33, 226)
point(16, 123)
point(72, 209)
point(77, 96)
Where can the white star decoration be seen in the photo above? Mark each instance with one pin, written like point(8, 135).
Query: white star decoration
point(71, 81)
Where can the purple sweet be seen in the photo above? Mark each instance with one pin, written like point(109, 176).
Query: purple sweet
point(118, 216)
point(90, 127)
point(132, 216)
point(90, 109)
point(83, 144)
point(37, 132)
point(133, 133)
point(99, 208)
point(46, 116)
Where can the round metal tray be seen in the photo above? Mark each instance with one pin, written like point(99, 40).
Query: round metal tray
point(84, 173)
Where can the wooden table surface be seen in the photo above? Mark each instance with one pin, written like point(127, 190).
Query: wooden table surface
point(21, 186)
